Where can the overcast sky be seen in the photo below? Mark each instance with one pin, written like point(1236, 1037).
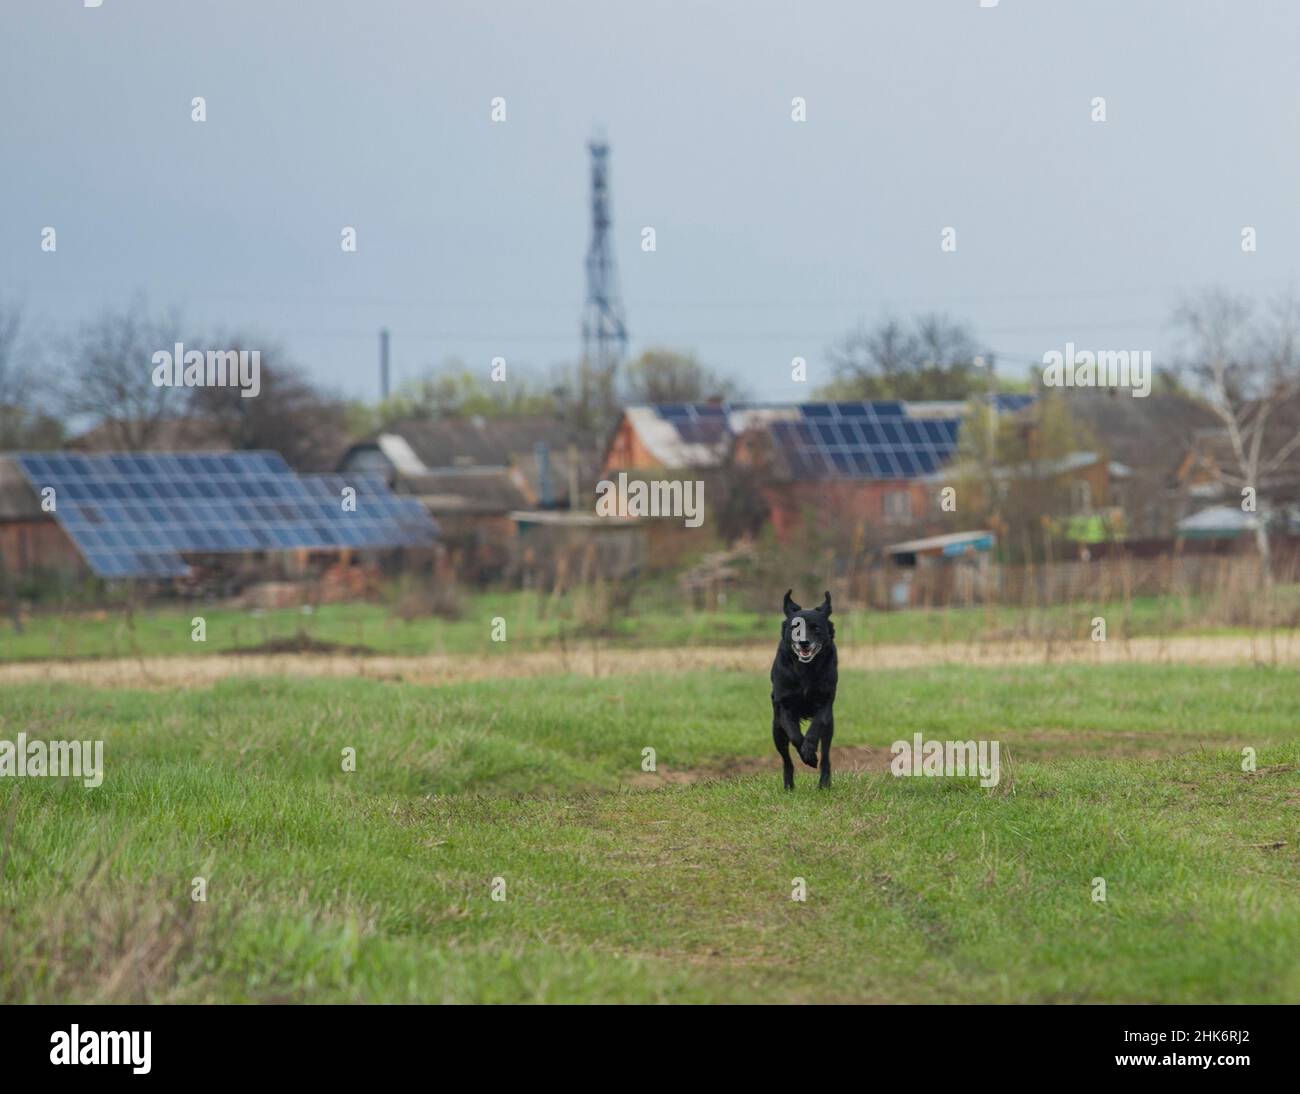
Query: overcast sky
point(773, 237)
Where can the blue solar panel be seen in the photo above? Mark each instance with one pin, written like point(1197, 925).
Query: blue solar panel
point(1012, 403)
point(133, 515)
point(876, 439)
point(887, 408)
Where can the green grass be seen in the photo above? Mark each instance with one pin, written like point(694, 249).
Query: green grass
point(532, 622)
point(375, 885)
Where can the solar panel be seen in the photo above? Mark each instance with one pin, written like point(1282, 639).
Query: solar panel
point(874, 439)
point(135, 514)
point(1012, 403)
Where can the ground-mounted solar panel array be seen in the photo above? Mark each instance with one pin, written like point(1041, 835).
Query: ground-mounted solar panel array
point(136, 514)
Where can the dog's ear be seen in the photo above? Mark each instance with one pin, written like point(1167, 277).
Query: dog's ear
point(825, 609)
point(789, 605)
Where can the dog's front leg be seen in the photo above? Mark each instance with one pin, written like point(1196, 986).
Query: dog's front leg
point(818, 729)
point(825, 735)
point(790, 724)
point(782, 743)
point(806, 746)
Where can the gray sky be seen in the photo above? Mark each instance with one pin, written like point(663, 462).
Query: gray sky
point(773, 237)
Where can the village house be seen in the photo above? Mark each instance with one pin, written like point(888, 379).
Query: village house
point(30, 537)
point(475, 476)
point(543, 459)
point(1152, 439)
point(869, 464)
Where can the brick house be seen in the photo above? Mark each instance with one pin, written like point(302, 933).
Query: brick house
point(867, 463)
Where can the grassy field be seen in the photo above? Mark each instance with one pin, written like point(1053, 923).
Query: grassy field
point(533, 622)
point(375, 885)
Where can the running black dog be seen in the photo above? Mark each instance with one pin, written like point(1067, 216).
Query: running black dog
point(804, 676)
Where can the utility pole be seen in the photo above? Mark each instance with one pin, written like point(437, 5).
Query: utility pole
point(383, 364)
point(993, 410)
point(604, 335)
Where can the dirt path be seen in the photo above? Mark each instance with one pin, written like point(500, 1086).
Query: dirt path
point(441, 669)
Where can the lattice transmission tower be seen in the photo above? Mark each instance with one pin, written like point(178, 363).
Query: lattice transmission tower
point(604, 333)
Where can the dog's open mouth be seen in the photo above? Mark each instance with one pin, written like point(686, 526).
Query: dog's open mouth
point(806, 655)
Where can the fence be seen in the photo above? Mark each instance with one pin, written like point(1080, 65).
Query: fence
point(1223, 589)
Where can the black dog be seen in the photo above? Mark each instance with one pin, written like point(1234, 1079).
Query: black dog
point(804, 676)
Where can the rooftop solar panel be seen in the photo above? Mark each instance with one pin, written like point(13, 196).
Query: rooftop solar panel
point(873, 439)
point(134, 514)
point(869, 439)
point(1012, 403)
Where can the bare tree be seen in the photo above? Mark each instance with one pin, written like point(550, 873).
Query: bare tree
point(930, 358)
point(665, 376)
point(108, 376)
point(1249, 370)
point(289, 415)
point(23, 420)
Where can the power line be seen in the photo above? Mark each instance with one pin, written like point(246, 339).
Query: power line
point(868, 299)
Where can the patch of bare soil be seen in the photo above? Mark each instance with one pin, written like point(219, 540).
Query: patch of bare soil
point(849, 758)
point(299, 644)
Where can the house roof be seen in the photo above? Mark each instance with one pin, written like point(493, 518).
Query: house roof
point(480, 442)
point(1218, 521)
point(1042, 469)
point(400, 454)
point(417, 447)
point(18, 501)
point(949, 544)
point(1073, 461)
point(700, 434)
point(1148, 435)
point(870, 439)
